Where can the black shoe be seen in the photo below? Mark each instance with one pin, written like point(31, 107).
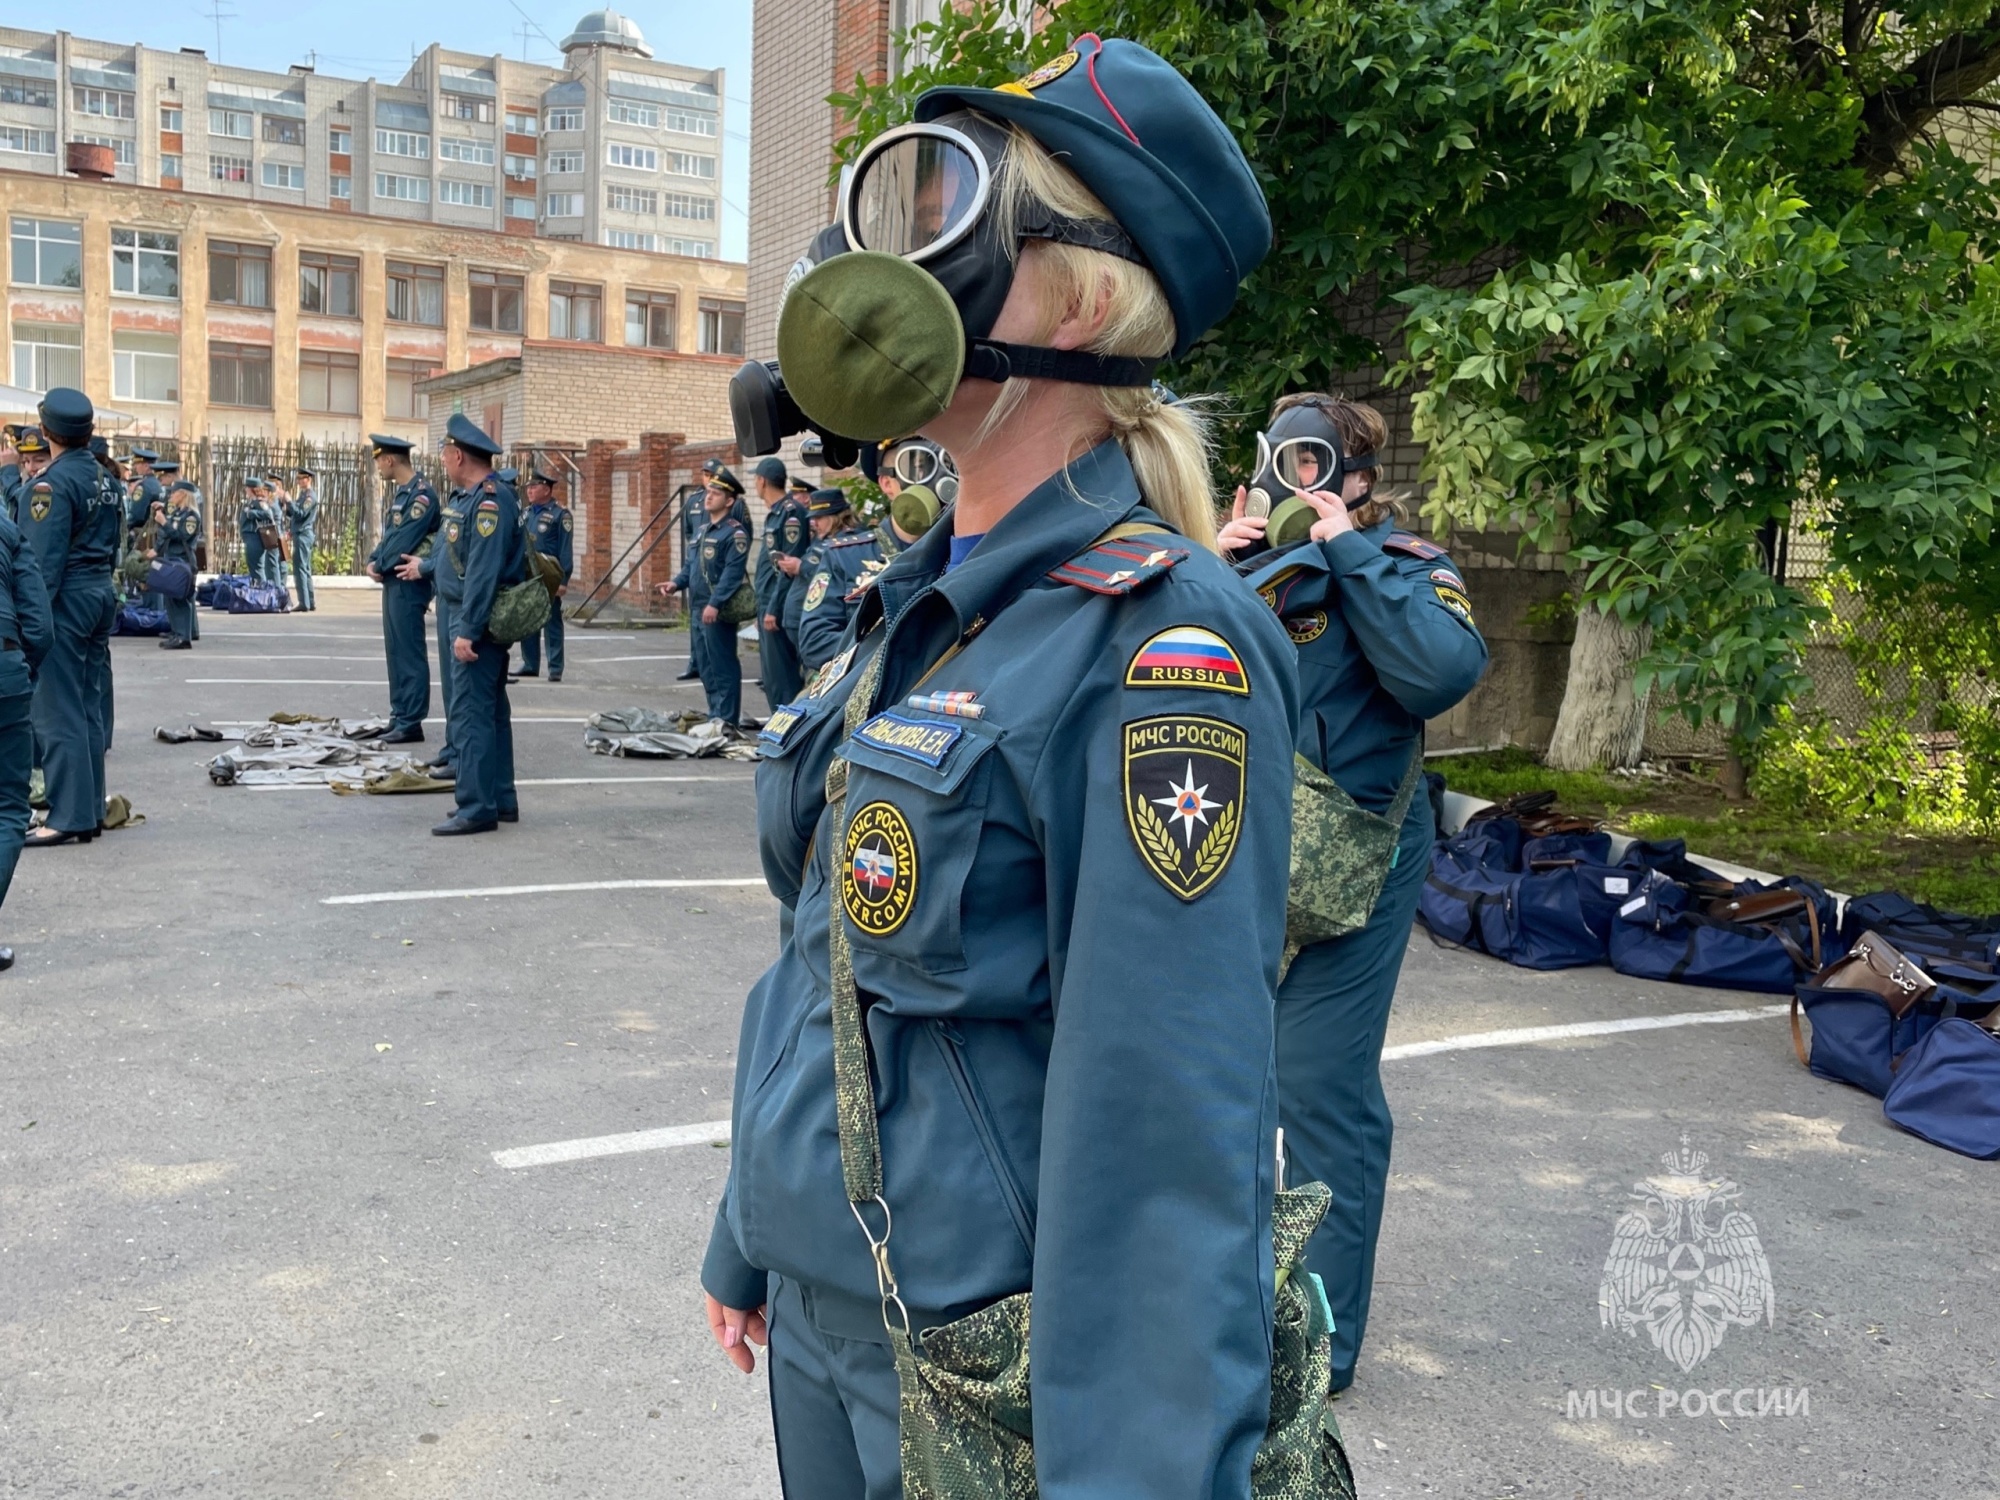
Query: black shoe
point(175, 643)
point(690, 675)
point(510, 817)
point(6, 958)
point(528, 672)
point(47, 838)
point(555, 677)
point(443, 773)
point(458, 823)
point(414, 735)
point(511, 680)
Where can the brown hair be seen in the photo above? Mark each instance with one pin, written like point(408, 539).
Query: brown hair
point(1363, 430)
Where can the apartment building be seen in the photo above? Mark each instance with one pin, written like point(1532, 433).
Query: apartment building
point(613, 148)
point(197, 314)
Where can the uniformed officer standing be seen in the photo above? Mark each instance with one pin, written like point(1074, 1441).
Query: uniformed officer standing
point(1024, 1002)
point(480, 553)
point(145, 508)
point(175, 538)
point(786, 536)
point(714, 573)
point(275, 562)
point(551, 529)
point(72, 524)
point(108, 532)
point(20, 462)
point(838, 561)
point(26, 632)
point(409, 517)
point(302, 515)
point(254, 514)
point(1385, 640)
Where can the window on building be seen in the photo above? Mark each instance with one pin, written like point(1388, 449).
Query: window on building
point(229, 169)
point(283, 132)
point(465, 107)
point(48, 355)
point(329, 284)
point(650, 318)
point(565, 119)
point(641, 158)
point(112, 104)
point(415, 294)
point(690, 206)
point(27, 142)
point(693, 249)
point(632, 112)
point(330, 381)
point(31, 92)
point(170, 118)
point(496, 301)
point(565, 161)
point(47, 252)
point(576, 311)
point(278, 174)
point(690, 124)
point(239, 275)
point(124, 150)
point(402, 398)
point(690, 164)
point(564, 205)
point(145, 263)
point(340, 187)
point(520, 166)
point(465, 194)
point(170, 165)
point(340, 141)
point(631, 200)
point(239, 375)
point(231, 122)
point(479, 153)
point(404, 189)
point(145, 366)
point(721, 326)
point(521, 122)
point(630, 239)
point(520, 208)
point(402, 143)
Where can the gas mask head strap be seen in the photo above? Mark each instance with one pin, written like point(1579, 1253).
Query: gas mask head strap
point(991, 359)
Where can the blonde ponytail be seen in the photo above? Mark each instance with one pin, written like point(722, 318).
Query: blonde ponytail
point(1168, 446)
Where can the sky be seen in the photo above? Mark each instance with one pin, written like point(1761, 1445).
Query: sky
point(377, 38)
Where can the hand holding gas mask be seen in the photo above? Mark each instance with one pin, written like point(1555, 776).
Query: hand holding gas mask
point(1296, 493)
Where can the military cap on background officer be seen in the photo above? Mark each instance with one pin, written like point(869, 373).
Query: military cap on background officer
point(176, 538)
point(31, 456)
point(715, 567)
point(72, 524)
point(409, 517)
point(480, 554)
point(551, 531)
point(787, 535)
point(976, 848)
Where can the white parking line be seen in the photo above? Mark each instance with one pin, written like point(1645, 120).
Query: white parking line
point(264, 656)
point(292, 681)
point(716, 1132)
point(518, 719)
point(320, 786)
point(377, 898)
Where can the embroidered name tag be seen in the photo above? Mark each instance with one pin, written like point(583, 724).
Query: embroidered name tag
point(780, 724)
point(914, 739)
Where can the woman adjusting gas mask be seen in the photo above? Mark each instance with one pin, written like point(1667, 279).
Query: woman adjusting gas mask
point(1301, 454)
point(891, 307)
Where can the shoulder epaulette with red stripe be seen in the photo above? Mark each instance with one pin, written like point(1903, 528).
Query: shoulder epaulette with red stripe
point(1121, 566)
point(1412, 546)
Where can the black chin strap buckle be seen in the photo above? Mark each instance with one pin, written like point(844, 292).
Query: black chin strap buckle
point(997, 362)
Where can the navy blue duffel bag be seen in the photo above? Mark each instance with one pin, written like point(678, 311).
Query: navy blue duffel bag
point(1917, 928)
point(136, 619)
point(170, 579)
point(1761, 937)
point(255, 599)
point(1872, 1005)
point(1468, 898)
point(1947, 1089)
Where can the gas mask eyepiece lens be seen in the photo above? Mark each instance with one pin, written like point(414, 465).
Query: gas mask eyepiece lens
point(916, 191)
point(1306, 463)
point(915, 463)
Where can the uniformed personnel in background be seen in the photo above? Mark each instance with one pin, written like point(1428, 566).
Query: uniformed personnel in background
point(480, 553)
point(302, 517)
point(108, 522)
point(710, 576)
point(175, 539)
point(787, 534)
point(20, 461)
point(551, 529)
point(251, 517)
point(275, 561)
point(410, 514)
point(26, 633)
point(845, 551)
point(71, 522)
point(146, 504)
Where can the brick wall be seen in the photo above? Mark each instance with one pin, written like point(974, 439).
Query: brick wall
point(624, 502)
point(791, 150)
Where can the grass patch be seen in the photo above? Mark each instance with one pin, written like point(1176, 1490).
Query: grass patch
point(1960, 873)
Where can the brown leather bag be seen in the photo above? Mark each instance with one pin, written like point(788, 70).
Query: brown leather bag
point(1537, 815)
point(1758, 906)
point(1876, 967)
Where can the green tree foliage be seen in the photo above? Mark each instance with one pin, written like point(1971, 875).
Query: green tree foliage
point(1672, 268)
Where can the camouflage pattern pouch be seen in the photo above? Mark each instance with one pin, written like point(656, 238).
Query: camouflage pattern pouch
point(1341, 854)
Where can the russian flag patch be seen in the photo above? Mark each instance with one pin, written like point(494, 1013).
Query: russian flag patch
point(1188, 657)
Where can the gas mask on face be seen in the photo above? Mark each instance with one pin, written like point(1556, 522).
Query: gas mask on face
point(892, 307)
point(1301, 452)
point(913, 461)
point(915, 509)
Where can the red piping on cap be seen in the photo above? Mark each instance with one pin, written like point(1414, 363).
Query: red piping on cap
point(1104, 98)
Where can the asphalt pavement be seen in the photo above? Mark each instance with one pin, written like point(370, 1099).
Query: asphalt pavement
point(255, 1241)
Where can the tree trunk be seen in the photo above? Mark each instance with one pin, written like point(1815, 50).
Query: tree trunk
point(1602, 723)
